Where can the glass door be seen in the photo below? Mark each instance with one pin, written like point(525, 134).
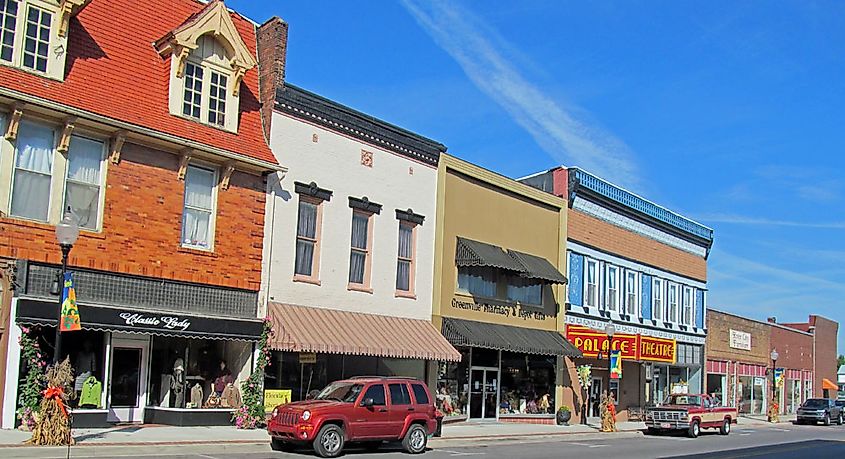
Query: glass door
point(483, 392)
point(127, 388)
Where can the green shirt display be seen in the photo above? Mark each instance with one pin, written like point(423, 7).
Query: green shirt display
point(92, 391)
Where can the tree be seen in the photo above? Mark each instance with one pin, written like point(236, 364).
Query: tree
point(840, 361)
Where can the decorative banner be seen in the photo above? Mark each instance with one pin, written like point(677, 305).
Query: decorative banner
point(274, 398)
point(779, 374)
point(70, 312)
point(584, 373)
point(615, 365)
point(631, 347)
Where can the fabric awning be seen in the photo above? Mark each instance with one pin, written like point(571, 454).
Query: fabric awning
point(538, 268)
point(132, 320)
point(507, 338)
point(311, 329)
point(474, 253)
point(829, 385)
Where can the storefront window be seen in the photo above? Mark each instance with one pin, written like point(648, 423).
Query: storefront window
point(752, 394)
point(453, 385)
point(528, 384)
point(197, 373)
point(793, 396)
point(717, 388)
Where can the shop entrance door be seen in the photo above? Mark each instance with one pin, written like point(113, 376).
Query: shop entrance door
point(596, 388)
point(483, 392)
point(127, 388)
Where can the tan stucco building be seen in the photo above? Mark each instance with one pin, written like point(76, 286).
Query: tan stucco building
point(499, 257)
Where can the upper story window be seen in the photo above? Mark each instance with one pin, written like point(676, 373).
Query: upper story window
point(37, 39)
point(672, 303)
point(33, 34)
point(477, 281)
point(209, 60)
point(657, 299)
point(632, 294)
point(591, 277)
point(84, 180)
point(199, 209)
point(612, 288)
point(405, 258)
point(526, 291)
point(686, 306)
point(8, 23)
point(32, 178)
point(360, 257)
point(308, 237)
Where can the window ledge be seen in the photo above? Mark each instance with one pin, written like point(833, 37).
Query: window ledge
point(199, 252)
point(33, 71)
point(359, 288)
point(35, 224)
point(204, 123)
point(306, 280)
point(403, 294)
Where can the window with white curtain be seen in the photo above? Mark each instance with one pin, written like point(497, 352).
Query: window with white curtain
point(405, 257)
point(477, 281)
point(612, 288)
point(33, 171)
point(84, 180)
point(672, 303)
point(8, 21)
point(37, 39)
point(592, 283)
point(657, 299)
point(631, 293)
point(198, 212)
point(307, 237)
point(686, 305)
point(526, 291)
point(360, 249)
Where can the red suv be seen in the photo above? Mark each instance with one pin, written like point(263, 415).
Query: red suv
point(367, 410)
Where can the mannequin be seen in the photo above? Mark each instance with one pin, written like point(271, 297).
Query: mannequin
point(177, 383)
point(224, 377)
point(86, 365)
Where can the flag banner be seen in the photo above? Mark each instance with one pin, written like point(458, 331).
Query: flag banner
point(779, 374)
point(70, 312)
point(615, 364)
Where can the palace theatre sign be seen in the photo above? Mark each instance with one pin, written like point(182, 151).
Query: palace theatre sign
point(632, 347)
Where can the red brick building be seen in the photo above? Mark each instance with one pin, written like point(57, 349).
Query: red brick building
point(144, 120)
point(825, 334)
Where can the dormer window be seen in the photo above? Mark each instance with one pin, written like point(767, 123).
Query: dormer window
point(208, 62)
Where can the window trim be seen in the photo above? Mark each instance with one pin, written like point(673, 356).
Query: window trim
point(657, 310)
point(588, 262)
point(687, 293)
point(55, 63)
point(366, 286)
point(103, 172)
point(212, 226)
point(314, 278)
point(27, 7)
point(670, 287)
point(607, 294)
point(637, 307)
point(53, 173)
point(412, 268)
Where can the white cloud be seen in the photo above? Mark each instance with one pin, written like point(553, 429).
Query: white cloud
point(482, 54)
point(743, 220)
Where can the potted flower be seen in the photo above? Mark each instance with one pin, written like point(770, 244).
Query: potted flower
point(563, 416)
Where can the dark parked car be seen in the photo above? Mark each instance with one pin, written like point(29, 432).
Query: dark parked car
point(823, 410)
point(367, 410)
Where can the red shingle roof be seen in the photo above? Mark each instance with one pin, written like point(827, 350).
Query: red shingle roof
point(112, 69)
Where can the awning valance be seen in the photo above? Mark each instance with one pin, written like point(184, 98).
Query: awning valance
point(311, 329)
point(829, 385)
point(538, 268)
point(132, 320)
point(474, 253)
point(507, 338)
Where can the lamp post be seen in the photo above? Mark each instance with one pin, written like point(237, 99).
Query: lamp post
point(609, 330)
point(774, 356)
point(67, 232)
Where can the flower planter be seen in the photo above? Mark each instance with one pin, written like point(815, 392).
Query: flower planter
point(563, 418)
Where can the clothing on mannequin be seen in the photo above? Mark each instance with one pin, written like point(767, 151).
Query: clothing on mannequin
point(177, 383)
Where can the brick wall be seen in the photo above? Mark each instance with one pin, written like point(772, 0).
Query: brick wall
point(600, 234)
point(720, 324)
point(826, 332)
point(272, 39)
point(795, 349)
point(142, 223)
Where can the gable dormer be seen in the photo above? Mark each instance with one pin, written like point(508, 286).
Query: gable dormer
point(33, 34)
point(208, 59)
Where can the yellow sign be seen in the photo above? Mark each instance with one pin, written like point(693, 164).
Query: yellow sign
point(275, 397)
point(307, 357)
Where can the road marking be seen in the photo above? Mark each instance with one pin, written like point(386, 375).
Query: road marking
point(780, 430)
point(458, 453)
point(596, 446)
point(744, 434)
point(206, 456)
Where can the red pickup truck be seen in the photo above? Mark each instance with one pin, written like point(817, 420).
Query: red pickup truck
point(368, 410)
point(690, 412)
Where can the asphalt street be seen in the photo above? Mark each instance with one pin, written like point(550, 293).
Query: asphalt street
point(782, 441)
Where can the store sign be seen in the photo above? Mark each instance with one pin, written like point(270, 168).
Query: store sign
point(165, 322)
point(274, 398)
point(631, 347)
point(502, 309)
point(740, 340)
point(307, 357)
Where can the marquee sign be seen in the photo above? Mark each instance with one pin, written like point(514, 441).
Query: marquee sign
point(631, 347)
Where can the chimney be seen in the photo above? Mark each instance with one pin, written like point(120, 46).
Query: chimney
point(272, 39)
point(772, 320)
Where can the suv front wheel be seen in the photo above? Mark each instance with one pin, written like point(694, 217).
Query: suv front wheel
point(329, 441)
point(416, 439)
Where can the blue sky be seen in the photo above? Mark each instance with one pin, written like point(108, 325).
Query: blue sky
point(730, 113)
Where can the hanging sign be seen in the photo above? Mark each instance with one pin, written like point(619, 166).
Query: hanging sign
point(631, 347)
point(615, 365)
point(70, 312)
point(779, 374)
point(307, 357)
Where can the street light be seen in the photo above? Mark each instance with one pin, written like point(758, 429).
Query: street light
point(774, 356)
point(67, 232)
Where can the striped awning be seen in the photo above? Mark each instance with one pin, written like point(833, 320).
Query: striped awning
point(312, 329)
point(462, 332)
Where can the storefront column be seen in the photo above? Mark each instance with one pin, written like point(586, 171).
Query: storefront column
point(13, 358)
point(561, 378)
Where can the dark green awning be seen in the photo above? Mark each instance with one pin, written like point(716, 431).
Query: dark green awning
point(461, 332)
point(538, 268)
point(474, 253)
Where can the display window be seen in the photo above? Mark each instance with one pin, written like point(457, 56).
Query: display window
point(453, 385)
point(197, 373)
point(528, 384)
